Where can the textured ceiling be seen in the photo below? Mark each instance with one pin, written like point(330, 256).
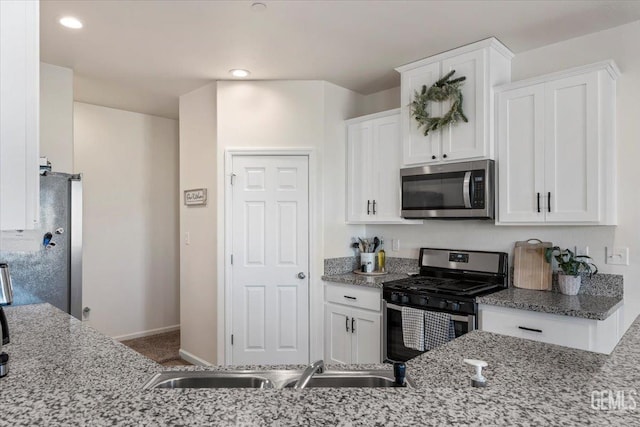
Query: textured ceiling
point(142, 55)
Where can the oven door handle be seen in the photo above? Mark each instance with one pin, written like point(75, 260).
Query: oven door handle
point(466, 190)
point(454, 317)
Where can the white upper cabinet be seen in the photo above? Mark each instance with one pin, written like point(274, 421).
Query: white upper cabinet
point(556, 148)
point(373, 169)
point(19, 114)
point(484, 64)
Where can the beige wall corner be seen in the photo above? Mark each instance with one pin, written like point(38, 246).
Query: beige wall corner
point(129, 163)
point(198, 236)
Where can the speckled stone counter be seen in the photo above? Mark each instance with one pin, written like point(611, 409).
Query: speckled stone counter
point(64, 373)
point(586, 306)
point(361, 280)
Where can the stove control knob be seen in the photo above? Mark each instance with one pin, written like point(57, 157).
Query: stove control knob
point(394, 296)
point(442, 304)
point(404, 299)
point(454, 306)
point(423, 300)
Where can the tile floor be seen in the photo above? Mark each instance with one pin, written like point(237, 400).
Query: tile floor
point(162, 348)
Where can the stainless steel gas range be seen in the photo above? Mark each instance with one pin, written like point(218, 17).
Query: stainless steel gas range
point(449, 282)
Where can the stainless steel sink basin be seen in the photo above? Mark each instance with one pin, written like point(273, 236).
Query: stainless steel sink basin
point(208, 380)
point(353, 379)
point(270, 379)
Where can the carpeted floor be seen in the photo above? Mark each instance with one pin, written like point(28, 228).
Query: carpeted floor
point(162, 348)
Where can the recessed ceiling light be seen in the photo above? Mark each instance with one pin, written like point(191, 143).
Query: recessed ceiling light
point(258, 7)
point(239, 73)
point(71, 22)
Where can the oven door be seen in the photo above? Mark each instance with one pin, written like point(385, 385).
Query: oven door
point(394, 348)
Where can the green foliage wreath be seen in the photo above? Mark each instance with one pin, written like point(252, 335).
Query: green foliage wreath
point(442, 90)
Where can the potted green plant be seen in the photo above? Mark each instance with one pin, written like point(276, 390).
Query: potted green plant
point(571, 267)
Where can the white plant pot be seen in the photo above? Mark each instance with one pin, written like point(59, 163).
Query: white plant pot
point(569, 285)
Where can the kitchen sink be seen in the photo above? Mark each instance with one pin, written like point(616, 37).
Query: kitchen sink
point(270, 379)
point(208, 380)
point(352, 379)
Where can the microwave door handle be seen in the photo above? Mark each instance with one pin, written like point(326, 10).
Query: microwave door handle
point(466, 189)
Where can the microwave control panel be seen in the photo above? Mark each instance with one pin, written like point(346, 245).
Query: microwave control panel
point(477, 189)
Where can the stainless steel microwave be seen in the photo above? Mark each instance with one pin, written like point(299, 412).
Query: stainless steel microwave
point(462, 190)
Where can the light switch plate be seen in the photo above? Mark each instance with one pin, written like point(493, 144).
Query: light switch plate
point(616, 255)
point(582, 250)
point(395, 244)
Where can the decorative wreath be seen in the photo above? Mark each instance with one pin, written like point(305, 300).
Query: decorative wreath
point(442, 90)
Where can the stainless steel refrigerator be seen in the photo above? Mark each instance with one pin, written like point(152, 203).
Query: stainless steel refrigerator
point(46, 263)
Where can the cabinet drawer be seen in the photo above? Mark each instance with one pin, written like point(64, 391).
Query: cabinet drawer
point(550, 328)
point(354, 296)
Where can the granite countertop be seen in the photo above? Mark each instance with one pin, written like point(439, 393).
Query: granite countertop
point(62, 372)
point(585, 306)
point(362, 280)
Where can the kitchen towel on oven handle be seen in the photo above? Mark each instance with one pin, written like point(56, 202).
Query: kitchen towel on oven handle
point(438, 328)
point(413, 331)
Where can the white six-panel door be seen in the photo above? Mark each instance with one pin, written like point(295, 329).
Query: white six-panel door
point(270, 246)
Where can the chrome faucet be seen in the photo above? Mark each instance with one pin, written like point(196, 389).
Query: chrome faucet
point(315, 367)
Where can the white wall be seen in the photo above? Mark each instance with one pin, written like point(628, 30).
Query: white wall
point(619, 44)
point(257, 115)
point(56, 116)
point(381, 101)
point(129, 163)
point(198, 259)
point(339, 105)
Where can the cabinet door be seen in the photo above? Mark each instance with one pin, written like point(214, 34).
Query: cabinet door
point(359, 178)
point(521, 155)
point(19, 111)
point(467, 140)
point(572, 149)
point(366, 337)
point(418, 148)
point(386, 169)
point(337, 341)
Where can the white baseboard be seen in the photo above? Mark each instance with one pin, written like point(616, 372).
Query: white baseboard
point(147, 333)
point(191, 358)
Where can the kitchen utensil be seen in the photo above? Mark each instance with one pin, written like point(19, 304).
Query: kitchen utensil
point(530, 268)
point(376, 243)
point(6, 288)
point(6, 297)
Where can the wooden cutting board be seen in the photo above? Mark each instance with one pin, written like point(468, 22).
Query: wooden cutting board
point(530, 268)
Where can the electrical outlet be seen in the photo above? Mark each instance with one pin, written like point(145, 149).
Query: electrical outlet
point(616, 255)
point(395, 244)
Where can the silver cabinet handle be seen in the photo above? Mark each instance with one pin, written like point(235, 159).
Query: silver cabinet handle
point(301, 275)
point(346, 323)
point(353, 328)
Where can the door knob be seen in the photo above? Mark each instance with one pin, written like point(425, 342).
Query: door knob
point(301, 275)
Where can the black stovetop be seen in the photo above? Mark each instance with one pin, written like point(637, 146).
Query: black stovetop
point(442, 286)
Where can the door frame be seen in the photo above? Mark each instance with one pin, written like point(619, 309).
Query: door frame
point(225, 303)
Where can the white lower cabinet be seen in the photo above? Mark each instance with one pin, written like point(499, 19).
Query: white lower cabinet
point(599, 336)
point(352, 334)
